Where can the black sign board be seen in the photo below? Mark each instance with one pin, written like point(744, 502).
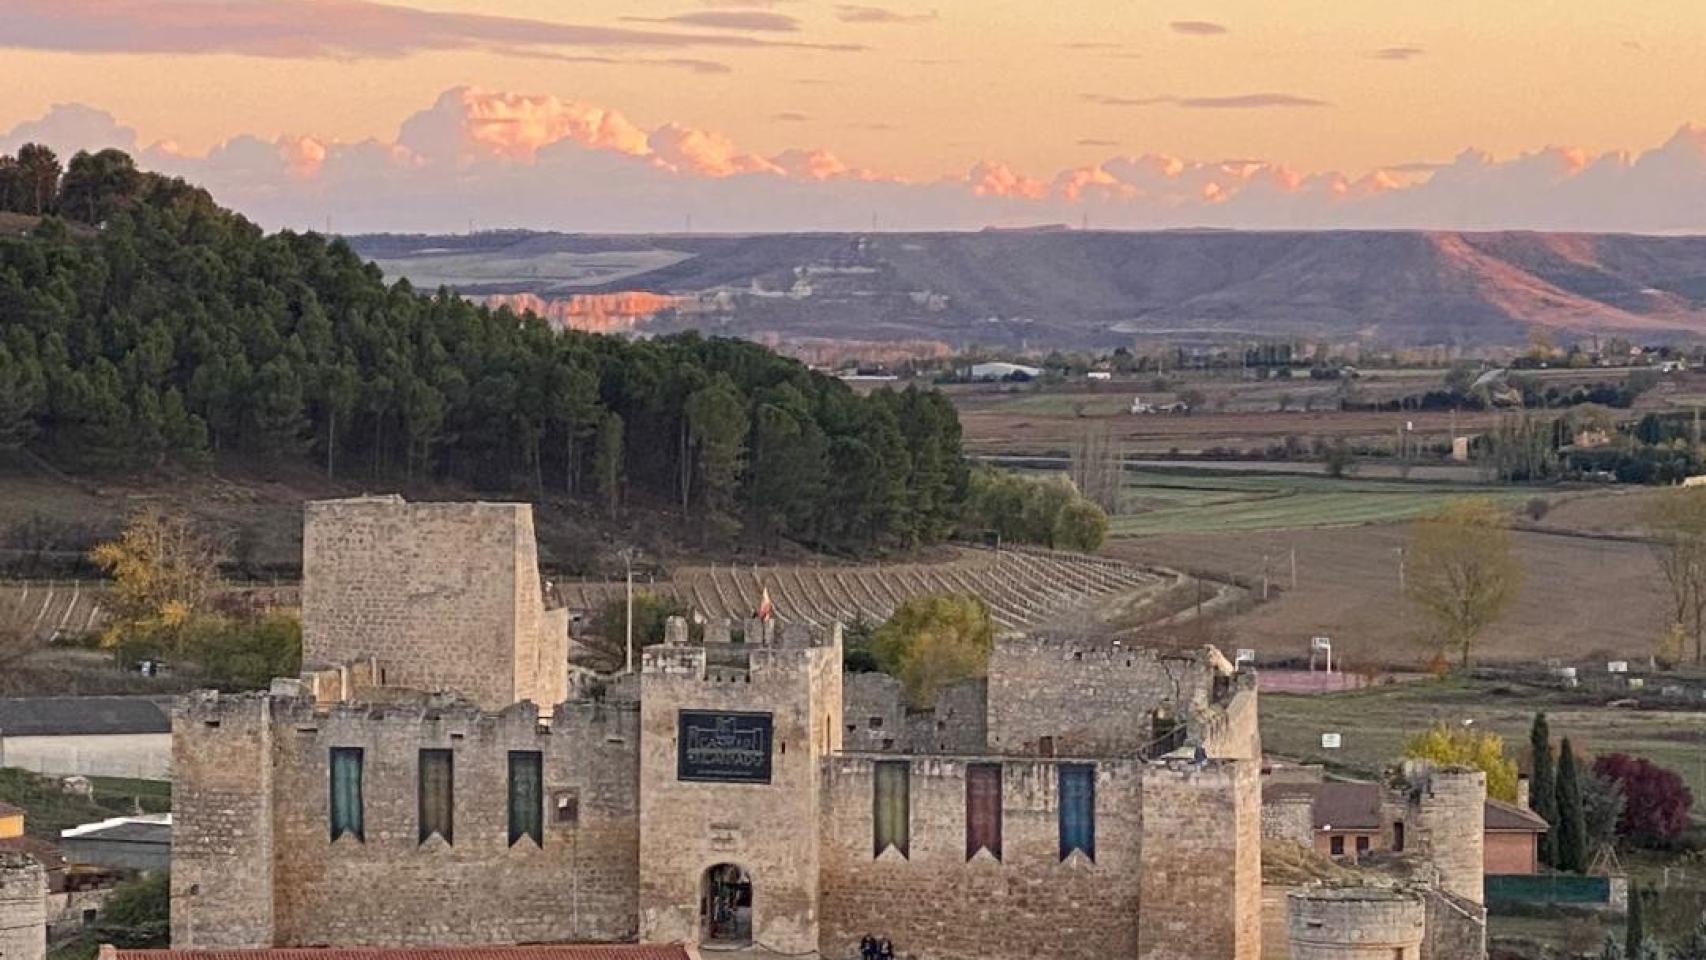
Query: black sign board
point(720, 746)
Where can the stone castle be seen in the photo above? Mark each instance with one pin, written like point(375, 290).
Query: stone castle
point(435, 778)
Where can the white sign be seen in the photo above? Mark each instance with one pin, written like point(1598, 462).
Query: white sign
point(1617, 666)
point(1320, 643)
point(1329, 741)
point(1245, 655)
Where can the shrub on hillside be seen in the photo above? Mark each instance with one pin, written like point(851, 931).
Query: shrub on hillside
point(1656, 801)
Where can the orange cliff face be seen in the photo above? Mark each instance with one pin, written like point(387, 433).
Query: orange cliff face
point(592, 312)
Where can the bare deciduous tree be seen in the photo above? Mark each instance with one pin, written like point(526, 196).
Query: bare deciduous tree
point(1676, 521)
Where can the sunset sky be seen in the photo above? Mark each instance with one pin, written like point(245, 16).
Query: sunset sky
point(1014, 100)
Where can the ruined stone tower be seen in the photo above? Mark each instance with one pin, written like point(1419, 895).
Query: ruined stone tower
point(732, 739)
point(23, 908)
point(1357, 923)
point(1451, 807)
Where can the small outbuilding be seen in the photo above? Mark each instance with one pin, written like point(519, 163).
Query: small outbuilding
point(87, 736)
point(122, 843)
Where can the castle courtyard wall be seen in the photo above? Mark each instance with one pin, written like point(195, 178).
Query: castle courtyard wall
point(936, 903)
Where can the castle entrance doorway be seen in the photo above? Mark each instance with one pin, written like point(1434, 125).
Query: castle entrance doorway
point(725, 906)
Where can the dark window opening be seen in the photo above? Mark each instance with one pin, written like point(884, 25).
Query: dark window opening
point(437, 794)
point(1336, 846)
point(1362, 844)
point(1398, 836)
point(876, 723)
point(1045, 746)
point(565, 807)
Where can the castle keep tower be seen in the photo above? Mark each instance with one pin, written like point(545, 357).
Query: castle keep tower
point(444, 596)
point(732, 736)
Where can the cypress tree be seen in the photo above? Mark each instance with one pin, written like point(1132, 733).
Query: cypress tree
point(1571, 845)
point(1543, 796)
point(1634, 925)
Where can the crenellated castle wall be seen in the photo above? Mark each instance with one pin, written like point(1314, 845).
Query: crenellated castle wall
point(255, 864)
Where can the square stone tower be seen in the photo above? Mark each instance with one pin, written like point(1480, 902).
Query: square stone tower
point(444, 596)
point(731, 740)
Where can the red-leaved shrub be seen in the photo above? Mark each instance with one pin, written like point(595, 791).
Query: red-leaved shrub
point(1656, 801)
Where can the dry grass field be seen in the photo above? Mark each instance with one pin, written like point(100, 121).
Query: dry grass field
point(1581, 597)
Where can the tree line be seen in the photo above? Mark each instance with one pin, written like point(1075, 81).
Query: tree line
point(145, 326)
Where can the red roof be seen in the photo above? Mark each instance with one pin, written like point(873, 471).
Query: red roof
point(566, 951)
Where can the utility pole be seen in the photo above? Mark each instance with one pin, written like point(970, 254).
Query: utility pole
point(628, 562)
point(1400, 569)
point(1294, 568)
point(1264, 577)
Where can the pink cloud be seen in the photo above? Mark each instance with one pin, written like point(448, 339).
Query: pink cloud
point(545, 161)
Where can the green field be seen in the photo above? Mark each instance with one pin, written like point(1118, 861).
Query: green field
point(1374, 724)
point(1161, 503)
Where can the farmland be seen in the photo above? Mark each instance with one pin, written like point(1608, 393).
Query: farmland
point(1170, 503)
point(1374, 723)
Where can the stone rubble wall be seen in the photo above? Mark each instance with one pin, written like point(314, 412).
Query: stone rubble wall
point(1091, 697)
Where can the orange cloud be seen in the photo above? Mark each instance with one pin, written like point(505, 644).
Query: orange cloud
point(989, 179)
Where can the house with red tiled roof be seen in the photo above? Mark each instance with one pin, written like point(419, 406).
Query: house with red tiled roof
point(1349, 819)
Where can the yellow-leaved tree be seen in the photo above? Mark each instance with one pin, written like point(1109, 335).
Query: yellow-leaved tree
point(1482, 750)
point(1462, 572)
point(935, 640)
point(163, 570)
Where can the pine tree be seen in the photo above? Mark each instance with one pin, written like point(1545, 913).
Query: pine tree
point(607, 463)
point(1634, 925)
point(1571, 844)
point(1543, 787)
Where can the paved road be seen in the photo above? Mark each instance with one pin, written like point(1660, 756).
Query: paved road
point(1376, 470)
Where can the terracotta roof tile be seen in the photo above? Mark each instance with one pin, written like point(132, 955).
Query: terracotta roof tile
point(1509, 816)
point(566, 951)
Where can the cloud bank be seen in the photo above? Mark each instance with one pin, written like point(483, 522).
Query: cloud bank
point(513, 160)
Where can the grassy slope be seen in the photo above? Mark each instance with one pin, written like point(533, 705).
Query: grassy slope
point(48, 809)
point(1374, 724)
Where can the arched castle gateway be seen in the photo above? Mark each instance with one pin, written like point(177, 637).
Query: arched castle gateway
point(405, 792)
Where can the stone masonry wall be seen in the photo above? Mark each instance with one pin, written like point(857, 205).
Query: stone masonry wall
point(937, 904)
point(1289, 818)
point(1368, 923)
point(1201, 870)
point(389, 888)
point(222, 828)
point(445, 595)
point(23, 908)
point(255, 865)
point(1456, 928)
point(876, 718)
point(1090, 697)
point(770, 830)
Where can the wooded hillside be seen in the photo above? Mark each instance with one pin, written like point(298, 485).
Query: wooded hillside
point(142, 325)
